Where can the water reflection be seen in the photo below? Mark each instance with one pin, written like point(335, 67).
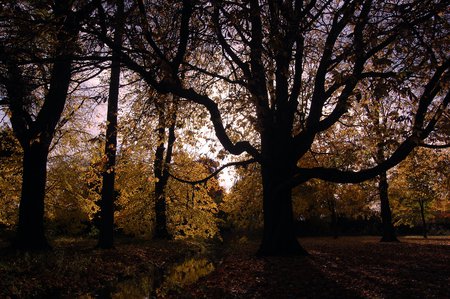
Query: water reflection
point(158, 283)
point(184, 274)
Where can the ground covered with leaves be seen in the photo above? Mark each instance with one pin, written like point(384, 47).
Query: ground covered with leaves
point(347, 267)
point(75, 268)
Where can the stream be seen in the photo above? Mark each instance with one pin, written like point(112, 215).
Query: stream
point(159, 282)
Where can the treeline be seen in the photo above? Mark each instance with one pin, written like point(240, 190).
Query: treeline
point(337, 91)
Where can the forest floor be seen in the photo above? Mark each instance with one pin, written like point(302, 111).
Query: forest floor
point(347, 267)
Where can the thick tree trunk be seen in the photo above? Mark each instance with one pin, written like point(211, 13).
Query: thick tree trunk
point(279, 236)
point(30, 229)
point(160, 199)
point(422, 215)
point(389, 234)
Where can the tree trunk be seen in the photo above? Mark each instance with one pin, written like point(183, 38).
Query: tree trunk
point(279, 236)
point(162, 174)
point(422, 214)
point(106, 228)
point(30, 229)
point(106, 233)
point(161, 231)
point(332, 206)
point(389, 234)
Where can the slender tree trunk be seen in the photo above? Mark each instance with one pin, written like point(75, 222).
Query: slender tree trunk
point(422, 214)
point(106, 233)
point(389, 234)
point(334, 226)
point(383, 190)
point(162, 175)
point(30, 230)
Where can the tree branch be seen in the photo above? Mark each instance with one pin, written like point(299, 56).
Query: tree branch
point(415, 139)
point(340, 176)
point(435, 146)
point(147, 32)
point(216, 118)
point(223, 43)
point(221, 77)
point(319, 94)
point(239, 163)
point(184, 35)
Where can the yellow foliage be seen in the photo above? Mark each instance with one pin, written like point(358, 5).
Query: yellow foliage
point(10, 178)
point(243, 204)
point(191, 210)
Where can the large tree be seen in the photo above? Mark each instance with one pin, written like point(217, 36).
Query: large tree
point(294, 69)
point(39, 41)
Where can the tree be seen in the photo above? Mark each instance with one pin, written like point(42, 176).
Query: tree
point(420, 190)
point(297, 67)
point(106, 233)
point(35, 103)
point(192, 209)
point(378, 113)
point(163, 157)
point(69, 203)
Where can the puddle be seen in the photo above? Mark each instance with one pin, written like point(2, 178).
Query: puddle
point(159, 282)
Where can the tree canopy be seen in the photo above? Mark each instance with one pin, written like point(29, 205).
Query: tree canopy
point(340, 91)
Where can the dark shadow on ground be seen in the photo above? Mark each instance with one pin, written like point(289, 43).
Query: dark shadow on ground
point(352, 267)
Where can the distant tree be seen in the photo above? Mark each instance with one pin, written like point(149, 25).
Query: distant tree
point(421, 187)
point(378, 113)
point(191, 208)
point(68, 205)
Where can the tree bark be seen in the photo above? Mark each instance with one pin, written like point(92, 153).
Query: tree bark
point(389, 234)
point(106, 233)
point(424, 223)
point(279, 236)
point(30, 230)
point(162, 175)
point(106, 227)
point(35, 137)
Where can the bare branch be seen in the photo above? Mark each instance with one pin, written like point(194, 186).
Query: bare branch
point(227, 48)
point(204, 180)
point(184, 35)
point(214, 75)
point(435, 146)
